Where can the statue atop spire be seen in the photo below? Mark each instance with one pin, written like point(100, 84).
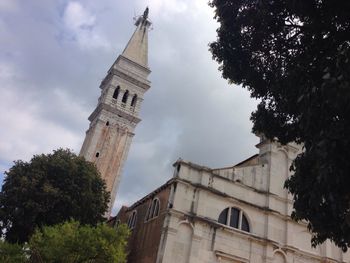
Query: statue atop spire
point(143, 19)
point(145, 13)
point(137, 47)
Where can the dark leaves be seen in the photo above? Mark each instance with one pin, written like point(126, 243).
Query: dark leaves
point(294, 56)
point(48, 190)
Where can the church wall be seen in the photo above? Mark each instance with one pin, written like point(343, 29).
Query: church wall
point(274, 237)
point(145, 238)
point(190, 231)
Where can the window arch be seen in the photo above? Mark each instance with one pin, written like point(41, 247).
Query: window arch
point(116, 93)
point(153, 209)
point(125, 96)
point(132, 220)
point(133, 101)
point(235, 218)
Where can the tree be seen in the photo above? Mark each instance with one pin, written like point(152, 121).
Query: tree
point(72, 243)
point(48, 190)
point(295, 57)
point(12, 253)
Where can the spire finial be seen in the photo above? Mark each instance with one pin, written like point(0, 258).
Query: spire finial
point(145, 13)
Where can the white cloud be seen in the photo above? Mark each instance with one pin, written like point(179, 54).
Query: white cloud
point(7, 71)
point(81, 24)
point(76, 17)
point(8, 5)
point(27, 132)
point(57, 61)
point(165, 8)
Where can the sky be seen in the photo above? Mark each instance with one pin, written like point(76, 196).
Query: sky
point(54, 54)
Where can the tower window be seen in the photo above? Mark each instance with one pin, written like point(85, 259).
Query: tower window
point(125, 96)
point(235, 218)
point(97, 154)
point(133, 101)
point(107, 123)
point(116, 93)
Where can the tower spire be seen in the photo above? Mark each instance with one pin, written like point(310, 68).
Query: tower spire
point(112, 123)
point(137, 48)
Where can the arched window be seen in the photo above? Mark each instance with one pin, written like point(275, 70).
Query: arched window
point(133, 101)
point(125, 96)
point(234, 217)
point(153, 209)
point(132, 220)
point(116, 93)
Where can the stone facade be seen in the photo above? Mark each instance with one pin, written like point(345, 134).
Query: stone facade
point(113, 121)
point(234, 214)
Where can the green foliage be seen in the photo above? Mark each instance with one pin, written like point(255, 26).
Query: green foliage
point(48, 190)
point(71, 242)
point(12, 253)
point(294, 55)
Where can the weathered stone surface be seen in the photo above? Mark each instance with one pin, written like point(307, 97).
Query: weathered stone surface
point(112, 123)
point(196, 196)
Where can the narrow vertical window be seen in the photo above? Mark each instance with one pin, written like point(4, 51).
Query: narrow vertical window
point(116, 93)
point(234, 217)
point(156, 208)
point(133, 101)
point(125, 96)
point(153, 209)
point(132, 220)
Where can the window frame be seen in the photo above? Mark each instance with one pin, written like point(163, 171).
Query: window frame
point(132, 220)
point(125, 97)
point(241, 215)
point(133, 101)
point(151, 211)
point(116, 93)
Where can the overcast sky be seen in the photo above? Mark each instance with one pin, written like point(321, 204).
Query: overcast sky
point(54, 54)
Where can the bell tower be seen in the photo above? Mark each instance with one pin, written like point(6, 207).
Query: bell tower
point(112, 123)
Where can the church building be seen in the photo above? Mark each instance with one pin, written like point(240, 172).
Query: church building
point(236, 214)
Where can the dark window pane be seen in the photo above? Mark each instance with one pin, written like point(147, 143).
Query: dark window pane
point(148, 215)
point(133, 220)
point(156, 208)
point(223, 216)
point(125, 96)
point(116, 93)
point(234, 217)
point(245, 225)
point(133, 101)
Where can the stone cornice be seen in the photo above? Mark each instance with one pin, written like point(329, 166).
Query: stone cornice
point(133, 63)
point(123, 114)
point(130, 79)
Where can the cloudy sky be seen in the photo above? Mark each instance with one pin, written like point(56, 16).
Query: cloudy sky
point(54, 54)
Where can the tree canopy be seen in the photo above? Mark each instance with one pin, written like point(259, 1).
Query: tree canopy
point(70, 242)
point(12, 253)
point(49, 190)
point(294, 56)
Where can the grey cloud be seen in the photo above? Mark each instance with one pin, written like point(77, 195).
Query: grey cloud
point(189, 112)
